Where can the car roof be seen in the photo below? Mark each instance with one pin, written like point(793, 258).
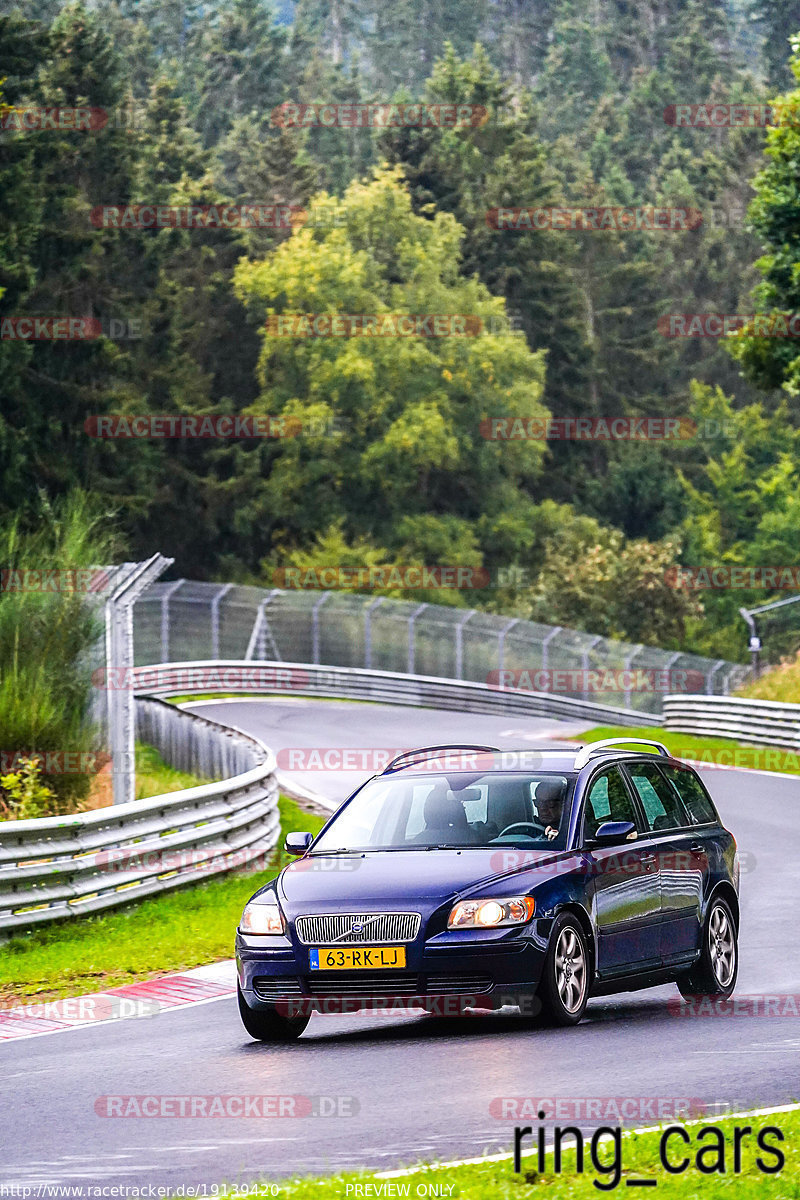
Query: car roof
point(530, 759)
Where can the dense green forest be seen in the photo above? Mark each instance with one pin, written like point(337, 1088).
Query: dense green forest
point(391, 465)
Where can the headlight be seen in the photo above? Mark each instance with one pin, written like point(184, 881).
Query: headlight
point(488, 914)
point(261, 918)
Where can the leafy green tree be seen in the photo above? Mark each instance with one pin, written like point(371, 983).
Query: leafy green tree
point(593, 579)
point(774, 362)
point(410, 471)
point(778, 21)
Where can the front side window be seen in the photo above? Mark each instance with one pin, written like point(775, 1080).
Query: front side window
point(607, 800)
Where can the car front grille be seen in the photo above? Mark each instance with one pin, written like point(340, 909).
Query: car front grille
point(376, 928)
point(277, 988)
point(370, 983)
point(332, 983)
point(439, 985)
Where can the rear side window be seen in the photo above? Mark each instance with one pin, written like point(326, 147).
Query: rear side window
point(692, 793)
point(661, 804)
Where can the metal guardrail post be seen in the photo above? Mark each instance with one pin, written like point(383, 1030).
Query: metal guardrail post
point(411, 648)
point(368, 611)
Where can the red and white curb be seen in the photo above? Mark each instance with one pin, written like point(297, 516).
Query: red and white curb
point(148, 998)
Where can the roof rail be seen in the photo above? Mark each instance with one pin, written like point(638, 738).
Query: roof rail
point(426, 750)
point(586, 752)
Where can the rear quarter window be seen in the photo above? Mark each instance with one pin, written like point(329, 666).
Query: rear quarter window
point(694, 796)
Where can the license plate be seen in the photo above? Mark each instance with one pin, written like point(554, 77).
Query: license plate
point(353, 959)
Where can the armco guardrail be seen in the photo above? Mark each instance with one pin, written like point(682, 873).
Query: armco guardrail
point(757, 722)
point(385, 687)
point(57, 867)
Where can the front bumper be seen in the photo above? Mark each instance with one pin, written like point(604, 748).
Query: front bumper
point(445, 974)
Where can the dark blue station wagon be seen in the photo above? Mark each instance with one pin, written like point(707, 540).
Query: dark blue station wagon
point(470, 877)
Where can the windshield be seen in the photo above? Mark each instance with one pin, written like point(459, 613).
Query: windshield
point(462, 809)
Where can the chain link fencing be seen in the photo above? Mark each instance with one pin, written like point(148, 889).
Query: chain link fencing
point(184, 620)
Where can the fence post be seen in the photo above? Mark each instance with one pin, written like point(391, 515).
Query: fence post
point(315, 626)
point(585, 662)
point(119, 672)
point(710, 676)
point(411, 655)
point(627, 667)
point(556, 629)
point(257, 632)
point(373, 604)
point(501, 642)
point(215, 603)
point(165, 596)
point(460, 643)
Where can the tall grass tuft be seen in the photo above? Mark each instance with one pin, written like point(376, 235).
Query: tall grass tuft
point(47, 640)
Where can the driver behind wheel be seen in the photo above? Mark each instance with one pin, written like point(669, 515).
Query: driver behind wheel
point(549, 800)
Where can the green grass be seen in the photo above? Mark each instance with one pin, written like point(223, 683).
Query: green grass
point(639, 1158)
point(186, 928)
point(154, 777)
point(781, 683)
point(712, 750)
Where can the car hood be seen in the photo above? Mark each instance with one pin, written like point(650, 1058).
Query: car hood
point(396, 877)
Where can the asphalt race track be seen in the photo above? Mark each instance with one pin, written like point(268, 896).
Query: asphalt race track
point(407, 1087)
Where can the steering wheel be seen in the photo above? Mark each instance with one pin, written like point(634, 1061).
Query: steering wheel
point(538, 830)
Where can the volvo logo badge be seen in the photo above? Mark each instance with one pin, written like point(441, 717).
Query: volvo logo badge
point(356, 927)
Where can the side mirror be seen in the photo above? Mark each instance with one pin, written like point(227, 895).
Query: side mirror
point(611, 832)
point(297, 843)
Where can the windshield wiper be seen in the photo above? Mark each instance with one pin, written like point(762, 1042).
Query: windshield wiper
point(452, 846)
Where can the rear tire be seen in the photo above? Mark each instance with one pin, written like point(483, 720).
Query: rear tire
point(714, 974)
point(270, 1026)
point(564, 986)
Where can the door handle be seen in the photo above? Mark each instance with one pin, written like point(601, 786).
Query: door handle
point(648, 859)
point(697, 848)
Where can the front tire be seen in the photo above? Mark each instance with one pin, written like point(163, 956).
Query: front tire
point(715, 972)
point(564, 986)
point(270, 1026)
